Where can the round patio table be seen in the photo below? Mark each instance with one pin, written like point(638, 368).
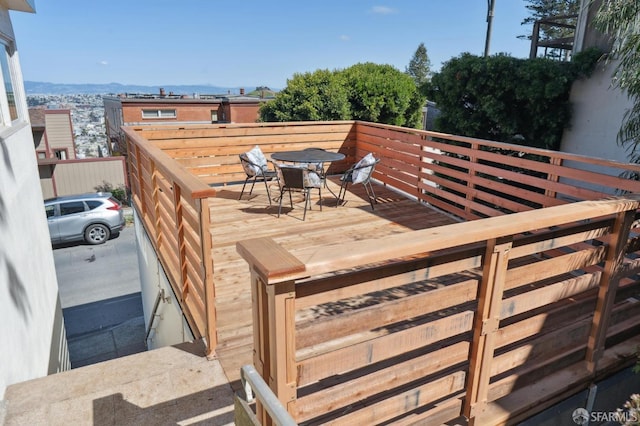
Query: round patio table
point(308, 156)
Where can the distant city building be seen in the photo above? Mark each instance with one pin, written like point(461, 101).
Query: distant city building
point(162, 108)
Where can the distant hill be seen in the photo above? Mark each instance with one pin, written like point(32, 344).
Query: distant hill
point(41, 88)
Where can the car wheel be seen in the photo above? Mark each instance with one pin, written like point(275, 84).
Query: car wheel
point(96, 234)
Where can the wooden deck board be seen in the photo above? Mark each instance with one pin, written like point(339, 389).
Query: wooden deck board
point(233, 220)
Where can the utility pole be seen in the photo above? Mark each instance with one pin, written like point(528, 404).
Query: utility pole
point(491, 4)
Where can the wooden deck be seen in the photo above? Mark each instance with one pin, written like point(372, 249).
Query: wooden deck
point(233, 220)
point(483, 347)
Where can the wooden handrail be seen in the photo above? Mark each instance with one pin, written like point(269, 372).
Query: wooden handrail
point(276, 274)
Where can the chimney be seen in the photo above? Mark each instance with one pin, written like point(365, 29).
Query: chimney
point(242, 91)
point(161, 92)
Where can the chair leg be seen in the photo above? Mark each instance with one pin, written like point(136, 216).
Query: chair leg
point(252, 185)
point(342, 193)
point(280, 204)
point(267, 187)
point(372, 195)
point(320, 197)
point(245, 184)
point(307, 201)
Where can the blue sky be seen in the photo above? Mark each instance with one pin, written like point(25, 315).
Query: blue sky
point(247, 42)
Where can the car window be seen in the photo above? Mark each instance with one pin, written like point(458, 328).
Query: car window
point(51, 210)
point(93, 204)
point(71, 207)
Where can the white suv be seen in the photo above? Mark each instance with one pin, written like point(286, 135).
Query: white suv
point(93, 217)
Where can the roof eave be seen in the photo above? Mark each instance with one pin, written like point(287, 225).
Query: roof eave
point(20, 5)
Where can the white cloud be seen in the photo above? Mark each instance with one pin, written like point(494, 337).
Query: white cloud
point(103, 63)
point(345, 37)
point(382, 10)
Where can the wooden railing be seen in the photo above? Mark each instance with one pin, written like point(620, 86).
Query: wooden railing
point(173, 206)
point(475, 178)
point(211, 152)
point(489, 319)
point(173, 170)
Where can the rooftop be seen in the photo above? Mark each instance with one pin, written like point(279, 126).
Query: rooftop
point(483, 278)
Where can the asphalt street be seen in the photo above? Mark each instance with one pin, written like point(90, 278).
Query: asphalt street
point(100, 295)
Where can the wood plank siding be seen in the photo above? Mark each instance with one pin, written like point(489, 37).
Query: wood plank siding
point(485, 271)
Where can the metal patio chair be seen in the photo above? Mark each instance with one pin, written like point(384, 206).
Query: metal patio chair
point(255, 165)
point(360, 172)
point(302, 179)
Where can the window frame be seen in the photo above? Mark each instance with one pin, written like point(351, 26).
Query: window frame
point(9, 113)
point(151, 114)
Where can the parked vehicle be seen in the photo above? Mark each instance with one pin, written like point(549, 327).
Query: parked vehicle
point(92, 217)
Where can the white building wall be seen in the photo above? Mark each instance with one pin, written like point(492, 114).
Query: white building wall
point(166, 325)
point(598, 111)
point(31, 325)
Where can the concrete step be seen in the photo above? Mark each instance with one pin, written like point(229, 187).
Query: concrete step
point(170, 385)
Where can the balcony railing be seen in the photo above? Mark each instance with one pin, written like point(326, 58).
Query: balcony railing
point(455, 320)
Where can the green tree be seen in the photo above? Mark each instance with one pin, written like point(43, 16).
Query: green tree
point(419, 68)
point(506, 99)
point(321, 95)
point(383, 94)
point(370, 92)
point(620, 19)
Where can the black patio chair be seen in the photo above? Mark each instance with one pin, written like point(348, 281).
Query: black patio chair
point(360, 172)
point(292, 178)
point(256, 167)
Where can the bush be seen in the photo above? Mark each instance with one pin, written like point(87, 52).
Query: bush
point(521, 101)
point(119, 193)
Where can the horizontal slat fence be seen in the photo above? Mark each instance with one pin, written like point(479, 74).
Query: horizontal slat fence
point(211, 153)
point(173, 207)
point(448, 321)
point(474, 178)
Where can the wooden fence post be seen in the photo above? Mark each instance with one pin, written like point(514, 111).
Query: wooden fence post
point(556, 162)
point(472, 177)
point(486, 324)
point(207, 267)
point(608, 287)
point(273, 300)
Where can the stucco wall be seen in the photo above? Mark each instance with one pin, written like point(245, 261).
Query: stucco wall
point(31, 323)
point(30, 314)
point(598, 110)
point(168, 326)
point(80, 176)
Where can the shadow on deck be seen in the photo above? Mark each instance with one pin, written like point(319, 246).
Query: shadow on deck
point(233, 220)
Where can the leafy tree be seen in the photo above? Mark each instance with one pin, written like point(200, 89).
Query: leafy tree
point(521, 101)
point(321, 95)
point(382, 94)
point(544, 9)
point(621, 20)
point(419, 68)
point(370, 92)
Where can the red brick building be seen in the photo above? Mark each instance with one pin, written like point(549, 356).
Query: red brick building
point(163, 108)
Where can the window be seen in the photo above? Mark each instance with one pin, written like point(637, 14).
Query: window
point(93, 204)
point(71, 207)
point(51, 210)
point(42, 155)
point(9, 107)
point(214, 116)
point(159, 113)
point(61, 154)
